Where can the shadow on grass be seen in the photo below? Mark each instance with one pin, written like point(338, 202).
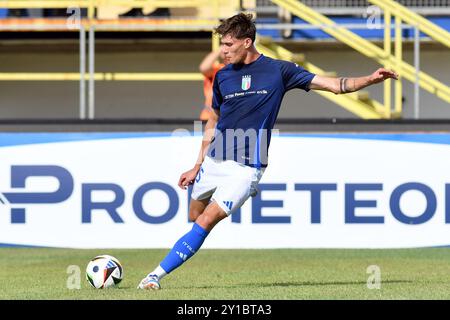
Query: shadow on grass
point(312, 283)
point(293, 284)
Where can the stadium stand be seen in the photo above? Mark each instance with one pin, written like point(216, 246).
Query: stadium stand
point(285, 28)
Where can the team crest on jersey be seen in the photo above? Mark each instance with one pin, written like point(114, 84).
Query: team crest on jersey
point(246, 82)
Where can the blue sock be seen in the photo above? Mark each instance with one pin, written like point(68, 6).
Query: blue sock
point(185, 248)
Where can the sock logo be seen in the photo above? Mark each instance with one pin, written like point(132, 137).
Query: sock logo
point(182, 255)
point(229, 204)
point(188, 247)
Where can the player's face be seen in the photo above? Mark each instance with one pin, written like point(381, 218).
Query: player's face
point(234, 50)
point(222, 58)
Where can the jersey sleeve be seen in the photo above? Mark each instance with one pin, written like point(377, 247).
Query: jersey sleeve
point(295, 76)
point(217, 95)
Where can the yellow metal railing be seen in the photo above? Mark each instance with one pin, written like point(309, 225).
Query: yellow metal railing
point(414, 19)
point(211, 9)
point(207, 15)
point(382, 56)
point(102, 76)
point(402, 13)
point(169, 24)
point(92, 5)
point(214, 9)
point(353, 102)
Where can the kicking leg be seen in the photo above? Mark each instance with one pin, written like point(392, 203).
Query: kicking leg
point(186, 246)
point(211, 216)
point(197, 207)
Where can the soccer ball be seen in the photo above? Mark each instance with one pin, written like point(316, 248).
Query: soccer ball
point(104, 271)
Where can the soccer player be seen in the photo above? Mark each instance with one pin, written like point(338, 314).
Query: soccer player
point(209, 67)
point(248, 93)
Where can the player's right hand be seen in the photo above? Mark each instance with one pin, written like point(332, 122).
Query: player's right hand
point(187, 178)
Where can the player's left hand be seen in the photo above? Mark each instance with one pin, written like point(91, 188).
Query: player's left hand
point(382, 74)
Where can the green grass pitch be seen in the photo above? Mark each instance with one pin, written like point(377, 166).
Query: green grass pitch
point(34, 273)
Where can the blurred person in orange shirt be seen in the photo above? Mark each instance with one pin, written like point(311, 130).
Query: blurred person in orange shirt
point(212, 63)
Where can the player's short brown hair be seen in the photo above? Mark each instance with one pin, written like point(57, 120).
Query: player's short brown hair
point(239, 26)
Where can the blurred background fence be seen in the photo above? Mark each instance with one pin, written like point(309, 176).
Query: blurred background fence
point(117, 59)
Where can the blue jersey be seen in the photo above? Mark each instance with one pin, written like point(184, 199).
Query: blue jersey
point(249, 97)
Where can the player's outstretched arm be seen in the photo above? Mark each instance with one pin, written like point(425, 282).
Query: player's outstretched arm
point(188, 177)
point(347, 85)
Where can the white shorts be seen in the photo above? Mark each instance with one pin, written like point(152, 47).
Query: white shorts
point(227, 182)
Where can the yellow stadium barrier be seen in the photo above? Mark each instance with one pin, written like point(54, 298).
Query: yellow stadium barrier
point(105, 76)
point(357, 103)
point(412, 18)
point(382, 56)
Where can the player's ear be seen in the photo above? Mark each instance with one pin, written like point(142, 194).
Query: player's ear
point(248, 43)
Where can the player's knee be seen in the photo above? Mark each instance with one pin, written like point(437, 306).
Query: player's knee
point(196, 208)
point(210, 218)
point(194, 214)
point(206, 221)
